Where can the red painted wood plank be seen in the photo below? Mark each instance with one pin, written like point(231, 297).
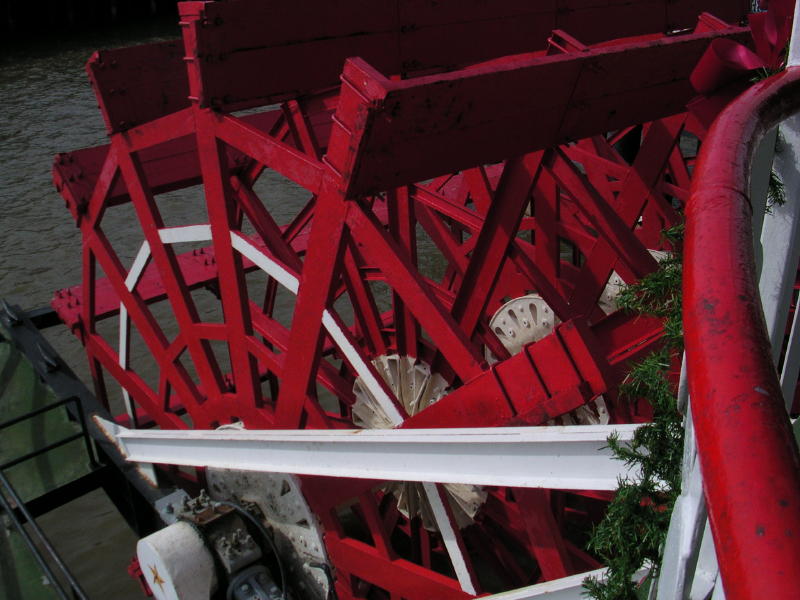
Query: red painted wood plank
point(167, 167)
point(230, 41)
point(544, 534)
point(424, 127)
point(403, 577)
point(141, 83)
point(531, 387)
point(683, 13)
point(138, 84)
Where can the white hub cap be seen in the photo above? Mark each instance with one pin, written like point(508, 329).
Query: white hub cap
point(523, 320)
point(415, 388)
point(176, 563)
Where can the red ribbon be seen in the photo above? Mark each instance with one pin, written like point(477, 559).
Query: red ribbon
point(723, 62)
point(722, 73)
point(771, 31)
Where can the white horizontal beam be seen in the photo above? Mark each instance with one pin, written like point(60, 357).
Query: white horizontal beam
point(566, 588)
point(185, 233)
point(572, 457)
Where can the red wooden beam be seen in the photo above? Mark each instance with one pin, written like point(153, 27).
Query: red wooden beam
point(228, 42)
point(427, 126)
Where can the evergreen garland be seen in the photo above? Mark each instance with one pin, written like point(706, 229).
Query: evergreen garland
point(634, 528)
point(633, 532)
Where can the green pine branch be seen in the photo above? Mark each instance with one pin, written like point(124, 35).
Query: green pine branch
point(776, 193)
point(634, 528)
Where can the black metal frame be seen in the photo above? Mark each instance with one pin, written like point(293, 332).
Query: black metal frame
point(73, 587)
point(19, 512)
point(70, 438)
point(133, 495)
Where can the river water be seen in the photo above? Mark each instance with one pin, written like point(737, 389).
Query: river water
point(47, 106)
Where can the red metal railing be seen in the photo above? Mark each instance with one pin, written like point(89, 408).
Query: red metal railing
point(748, 455)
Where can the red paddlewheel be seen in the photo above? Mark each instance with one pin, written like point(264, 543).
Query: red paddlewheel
point(450, 267)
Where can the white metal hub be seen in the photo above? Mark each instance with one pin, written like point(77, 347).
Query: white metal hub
point(297, 532)
point(523, 320)
point(415, 388)
point(176, 563)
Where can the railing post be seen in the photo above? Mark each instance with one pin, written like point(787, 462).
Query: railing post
point(779, 239)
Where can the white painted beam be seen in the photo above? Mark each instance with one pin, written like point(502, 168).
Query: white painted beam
point(759, 186)
point(131, 280)
point(137, 268)
point(705, 579)
point(573, 457)
point(791, 363)
point(794, 43)
point(369, 376)
point(780, 239)
point(566, 588)
point(448, 530)
point(689, 518)
point(271, 267)
point(185, 233)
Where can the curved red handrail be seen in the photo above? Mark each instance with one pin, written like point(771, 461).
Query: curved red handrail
point(748, 455)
